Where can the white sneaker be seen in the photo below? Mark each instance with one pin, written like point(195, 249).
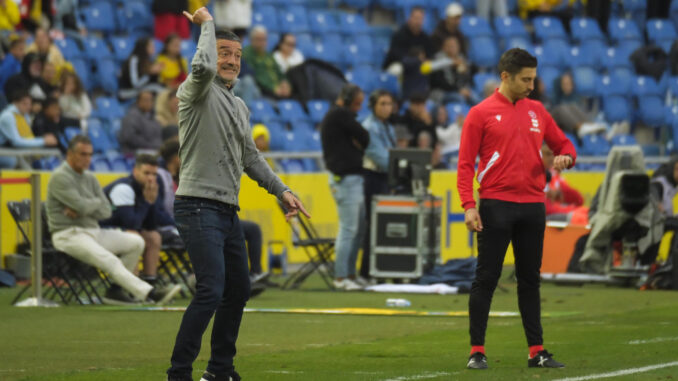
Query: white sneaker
point(347, 285)
point(363, 282)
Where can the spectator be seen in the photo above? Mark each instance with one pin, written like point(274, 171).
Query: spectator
point(450, 26)
point(403, 136)
point(169, 152)
point(267, 73)
point(599, 10)
point(9, 15)
point(169, 19)
point(262, 139)
point(11, 65)
point(32, 12)
point(246, 88)
point(568, 109)
point(286, 53)
point(75, 202)
point(418, 119)
point(47, 51)
point(664, 186)
point(67, 19)
point(139, 72)
point(499, 8)
point(167, 109)
point(29, 79)
point(449, 134)
point(414, 79)
point(253, 237)
point(74, 101)
point(451, 74)
point(139, 128)
point(561, 9)
point(15, 130)
point(49, 76)
point(658, 9)
point(235, 15)
point(137, 206)
point(50, 120)
point(560, 197)
point(174, 66)
point(407, 37)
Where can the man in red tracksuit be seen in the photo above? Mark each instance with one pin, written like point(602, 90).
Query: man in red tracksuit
point(507, 131)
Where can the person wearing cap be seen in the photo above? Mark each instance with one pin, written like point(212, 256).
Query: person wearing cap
point(409, 36)
point(450, 26)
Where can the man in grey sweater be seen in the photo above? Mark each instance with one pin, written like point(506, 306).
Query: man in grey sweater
point(75, 204)
point(216, 147)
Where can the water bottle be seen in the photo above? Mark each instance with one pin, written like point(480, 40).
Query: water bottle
point(393, 302)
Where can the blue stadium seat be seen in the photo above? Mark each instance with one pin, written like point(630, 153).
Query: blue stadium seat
point(292, 143)
point(585, 80)
point(661, 32)
point(595, 145)
point(623, 29)
point(261, 111)
point(305, 44)
point(579, 57)
point(624, 140)
point(359, 52)
point(106, 75)
point(350, 23)
point(108, 108)
point(84, 72)
point(294, 20)
point(135, 16)
point(651, 110)
point(480, 79)
point(616, 108)
point(673, 85)
point(456, 109)
point(510, 26)
point(584, 28)
point(573, 139)
point(277, 132)
point(291, 111)
point(326, 52)
point(381, 31)
point(548, 75)
point(547, 28)
point(518, 42)
point(553, 52)
point(613, 85)
point(99, 17)
point(98, 135)
point(473, 26)
point(122, 47)
point(380, 47)
point(188, 48)
point(95, 48)
point(69, 48)
point(613, 57)
point(484, 52)
point(644, 85)
point(389, 83)
point(364, 76)
point(100, 164)
point(119, 164)
point(357, 4)
point(320, 22)
point(317, 109)
point(266, 16)
point(671, 114)
point(272, 41)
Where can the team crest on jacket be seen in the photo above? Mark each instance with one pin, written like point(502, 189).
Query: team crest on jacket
point(535, 121)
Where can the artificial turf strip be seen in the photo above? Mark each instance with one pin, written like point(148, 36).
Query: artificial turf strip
point(616, 329)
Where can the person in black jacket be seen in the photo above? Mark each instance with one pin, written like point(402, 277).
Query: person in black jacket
point(409, 36)
point(344, 142)
point(137, 206)
point(169, 19)
point(50, 121)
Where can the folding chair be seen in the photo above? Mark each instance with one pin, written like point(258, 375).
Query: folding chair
point(175, 264)
point(318, 249)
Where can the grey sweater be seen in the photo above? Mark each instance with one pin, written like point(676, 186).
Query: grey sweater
point(80, 192)
point(214, 133)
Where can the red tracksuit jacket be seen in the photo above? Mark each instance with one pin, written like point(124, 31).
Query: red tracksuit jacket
point(508, 137)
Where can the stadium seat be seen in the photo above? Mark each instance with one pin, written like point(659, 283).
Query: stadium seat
point(623, 29)
point(326, 52)
point(99, 17)
point(317, 109)
point(106, 75)
point(594, 145)
point(357, 4)
point(350, 23)
point(661, 32)
point(644, 85)
point(548, 75)
point(584, 28)
point(613, 57)
point(518, 42)
point(320, 22)
point(84, 73)
point(358, 53)
point(100, 164)
point(585, 80)
point(573, 139)
point(135, 16)
point(108, 108)
point(651, 110)
point(294, 20)
point(380, 47)
point(277, 132)
point(291, 111)
point(364, 76)
point(474, 27)
point(99, 137)
point(547, 28)
point(673, 85)
point(122, 47)
point(484, 52)
point(577, 57)
point(511, 26)
point(96, 48)
point(456, 109)
point(671, 114)
point(623, 140)
point(266, 16)
point(119, 164)
point(389, 83)
point(616, 108)
point(613, 85)
point(188, 48)
point(261, 111)
point(305, 44)
point(480, 79)
point(71, 132)
point(69, 48)
point(549, 57)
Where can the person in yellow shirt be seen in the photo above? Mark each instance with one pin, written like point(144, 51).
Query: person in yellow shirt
point(561, 9)
point(49, 52)
point(9, 15)
point(175, 67)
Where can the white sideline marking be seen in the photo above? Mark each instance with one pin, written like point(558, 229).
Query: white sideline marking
point(419, 377)
point(655, 340)
point(622, 372)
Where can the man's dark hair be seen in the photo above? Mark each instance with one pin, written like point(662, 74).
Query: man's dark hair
point(50, 101)
point(144, 158)
point(169, 149)
point(514, 60)
point(78, 139)
point(418, 98)
point(374, 97)
point(224, 34)
point(18, 94)
point(348, 93)
point(142, 92)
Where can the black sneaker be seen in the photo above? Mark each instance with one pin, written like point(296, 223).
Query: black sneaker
point(543, 359)
point(477, 361)
point(163, 295)
point(118, 297)
point(232, 376)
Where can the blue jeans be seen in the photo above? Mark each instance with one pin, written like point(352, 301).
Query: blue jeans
point(350, 198)
point(216, 246)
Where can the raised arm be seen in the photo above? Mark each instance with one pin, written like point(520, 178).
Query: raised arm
point(204, 63)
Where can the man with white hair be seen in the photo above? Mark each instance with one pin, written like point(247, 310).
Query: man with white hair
point(267, 73)
point(450, 26)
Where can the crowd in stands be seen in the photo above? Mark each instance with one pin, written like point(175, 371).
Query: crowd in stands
point(608, 70)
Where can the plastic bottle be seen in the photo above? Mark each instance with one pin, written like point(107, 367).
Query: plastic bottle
point(394, 302)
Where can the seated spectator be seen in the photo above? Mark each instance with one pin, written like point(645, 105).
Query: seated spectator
point(75, 204)
point(262, 139)
point(499, 8)
point(49, 76)
point(169, 19)
point(167, 109)
point(409, 36)
point(169, 152)
point(418, 119)
point(29, 79)
point(50, 120)
point(174, 66)
point(47, 51)
point(253, 238)
point(15, 130)
point(560, 197)
point(138, 207)
point(234, 15)
point(246, 88)
point(286, 53)
point(68, 20)
point(451, 74)
point(403, 136)
point(267, 73)
point(139, 72)
point(9, 15)
point(74, 101)
point(449, 26)
point(11, 65)
point(568, 109)
point(561, 9)
point(448, 132)
point(139, 128)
